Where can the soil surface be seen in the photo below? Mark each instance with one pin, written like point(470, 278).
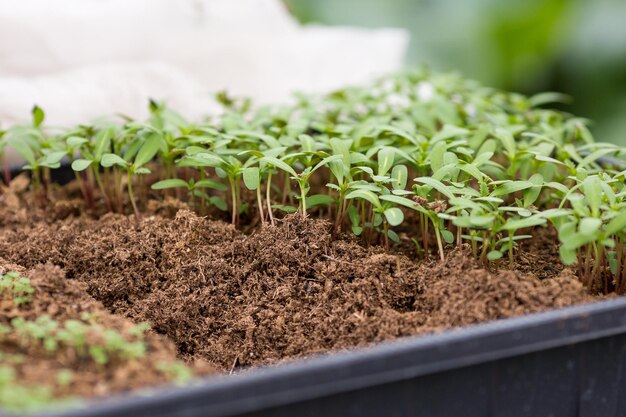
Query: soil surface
point(274, 293)
point(62, 300)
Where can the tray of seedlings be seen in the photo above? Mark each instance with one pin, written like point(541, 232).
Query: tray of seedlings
point(422, 245)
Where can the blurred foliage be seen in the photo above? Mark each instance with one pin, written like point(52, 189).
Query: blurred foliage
point(577, 47)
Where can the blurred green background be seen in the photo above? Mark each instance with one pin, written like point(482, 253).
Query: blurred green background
point(577, 47)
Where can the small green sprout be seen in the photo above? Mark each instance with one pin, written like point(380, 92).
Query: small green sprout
point(18, 287)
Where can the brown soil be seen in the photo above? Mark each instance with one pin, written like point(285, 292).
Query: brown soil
point(62, 300)
point(278, 293)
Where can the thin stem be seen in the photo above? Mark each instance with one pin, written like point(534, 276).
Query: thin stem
point(102, 190)
point(303, 200)
point(46, 181)
point(370, 230)
point(385, 230)
point(511, 247)
point(618, 256)
point(439, 243)
point(474, 245)
point(238, 195)
point(119, 186)
point(286, 191)
point(36, 184)
point(587, 277)
point(83, 190)
point(202, 200)
point(485, 249)
point(425, 238)
point(267, 197)
point(233, 199)
point(131, 195)
point(192, 198)
point(260, 204)
point(579, 265)
point(339, 214)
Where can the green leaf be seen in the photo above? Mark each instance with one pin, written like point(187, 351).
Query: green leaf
point(201, 160)
point(23, 149)
point(148, 150)
point(286, 209)
point(589, 226)
point(617, 224)
point(110, 159)
point(554, 213)
point(400, 174)
point(447, 235)
point(449, 132)
point(219, 202)
point(325, 161)
point(568, 256)
point(81, 164)
point(394, 216)
point(593, 194)
point(365, 195)
point(510, 188)
point(557, 186)
point(38, 116)
point(252, 152)
point(53, 158)
point(548, 97)
point(494, 255)
point(319, 200)
point(531, 194)
point(595, 155)
point(207, 183)
point(436, 184)
point(507, 140)
point(436, 156)
point(170, 183)
point(544, 158)
point(482, 158)
point(251, 178)
point(393, 236)
point(385, 160)
point(103, 142)
point(403, 201)
point(472, 170)
point(337, 169)
point(342, 147)
point(576, 240)
point(516, 224)
point(353, 215)
point(75, 141)
point(279, 163)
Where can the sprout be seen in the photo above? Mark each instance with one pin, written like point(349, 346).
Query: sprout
point(489, 168)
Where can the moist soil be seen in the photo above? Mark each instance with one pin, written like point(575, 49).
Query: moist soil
point(274, 293)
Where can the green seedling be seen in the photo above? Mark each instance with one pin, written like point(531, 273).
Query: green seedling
point(490, 167)
point(17, 287)
point(194, 189)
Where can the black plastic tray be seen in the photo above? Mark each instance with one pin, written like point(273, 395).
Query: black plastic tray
point(568, 362)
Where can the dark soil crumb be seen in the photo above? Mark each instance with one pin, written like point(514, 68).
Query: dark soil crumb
point(282, 292)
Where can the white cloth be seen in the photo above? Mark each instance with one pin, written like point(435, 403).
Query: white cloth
point(82, 59)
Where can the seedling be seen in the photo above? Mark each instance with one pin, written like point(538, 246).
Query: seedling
point(17, 287)
point(489, 167)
